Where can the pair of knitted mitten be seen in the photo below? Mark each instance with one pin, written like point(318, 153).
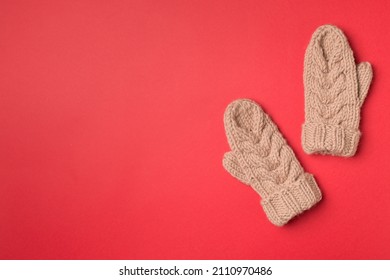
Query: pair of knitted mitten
point(335, 89)
point(261, 158)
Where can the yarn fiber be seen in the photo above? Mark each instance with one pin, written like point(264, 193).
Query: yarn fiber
point(335, 89)
point(261, 158)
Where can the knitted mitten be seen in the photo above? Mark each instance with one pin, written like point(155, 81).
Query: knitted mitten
point(335, 89)
point(261, 158)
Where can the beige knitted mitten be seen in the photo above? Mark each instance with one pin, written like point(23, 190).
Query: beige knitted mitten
point(261, 158)
point(335, 89)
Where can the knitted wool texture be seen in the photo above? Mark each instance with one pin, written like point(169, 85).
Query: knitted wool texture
point(261, 158)
point(335, 89)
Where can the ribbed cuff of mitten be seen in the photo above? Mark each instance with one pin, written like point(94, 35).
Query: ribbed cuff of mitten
point(329, 139)
point(285, 204)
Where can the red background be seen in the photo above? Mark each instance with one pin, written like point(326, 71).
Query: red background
point(111, 132)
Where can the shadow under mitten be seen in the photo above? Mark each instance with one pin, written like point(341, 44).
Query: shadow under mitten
point(261, 158)
point(335, 89)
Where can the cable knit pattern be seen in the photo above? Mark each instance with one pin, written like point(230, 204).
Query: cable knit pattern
point(335, 89)
point(261, 158)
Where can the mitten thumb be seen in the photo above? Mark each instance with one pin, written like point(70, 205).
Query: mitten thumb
point(231, 164)
point(364, 75)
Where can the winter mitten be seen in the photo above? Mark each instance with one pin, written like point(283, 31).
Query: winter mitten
point(335, 89)
point(261, 158)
